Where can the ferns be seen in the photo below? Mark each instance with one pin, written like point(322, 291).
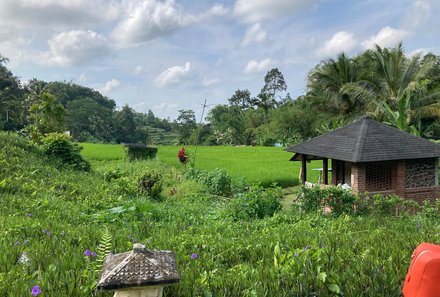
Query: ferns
point(104, 249)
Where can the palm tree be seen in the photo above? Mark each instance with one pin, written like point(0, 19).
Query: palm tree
point(397, 86)
point(327, 85)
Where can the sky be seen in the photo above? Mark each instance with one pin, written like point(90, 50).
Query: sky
point(173, 54)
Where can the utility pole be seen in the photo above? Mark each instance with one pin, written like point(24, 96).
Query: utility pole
point(198, 132)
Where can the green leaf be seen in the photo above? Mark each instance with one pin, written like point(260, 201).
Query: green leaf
point(334, 288)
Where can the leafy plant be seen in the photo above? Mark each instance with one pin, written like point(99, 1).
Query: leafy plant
point(60, 147)
point(217, 181)
point(256, 203)
point(150, 183)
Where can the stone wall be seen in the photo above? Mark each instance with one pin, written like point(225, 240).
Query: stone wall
point(420, 173)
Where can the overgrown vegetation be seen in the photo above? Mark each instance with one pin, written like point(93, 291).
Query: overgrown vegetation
point(56, 224)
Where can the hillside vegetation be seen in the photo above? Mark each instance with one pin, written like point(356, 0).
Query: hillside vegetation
point(246, 244)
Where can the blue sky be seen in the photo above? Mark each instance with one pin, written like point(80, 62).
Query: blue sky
point(170, 55)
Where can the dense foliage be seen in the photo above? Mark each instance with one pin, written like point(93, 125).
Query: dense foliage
point(57, 224)
point(383, 83)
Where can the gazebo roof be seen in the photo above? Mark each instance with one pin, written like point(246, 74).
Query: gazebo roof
point(367, 141)
point(138, 268)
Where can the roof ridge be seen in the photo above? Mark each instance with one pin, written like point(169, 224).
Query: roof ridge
point(360, 143)
point(118, 267)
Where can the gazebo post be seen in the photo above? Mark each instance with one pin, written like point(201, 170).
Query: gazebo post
point(325, 171)
point(303, 169)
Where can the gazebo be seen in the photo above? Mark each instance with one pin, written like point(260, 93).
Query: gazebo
point(375, 158)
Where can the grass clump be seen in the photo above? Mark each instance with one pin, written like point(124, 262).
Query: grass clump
point(256, 203)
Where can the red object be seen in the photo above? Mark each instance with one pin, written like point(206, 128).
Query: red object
point(423, 277)
point(181, 155)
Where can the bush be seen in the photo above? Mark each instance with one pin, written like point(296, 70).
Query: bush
point(140, 152)
point(218, 181)
point(256, 203)
point(150, 183)
point(60, 147)
point(339, 200)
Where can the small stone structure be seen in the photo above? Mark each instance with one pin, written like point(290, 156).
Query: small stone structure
point(375, 158)
point(139, 273)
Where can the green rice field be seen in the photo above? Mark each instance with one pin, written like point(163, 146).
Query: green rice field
point(265, 165)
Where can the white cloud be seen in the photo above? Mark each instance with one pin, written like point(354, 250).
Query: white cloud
point(210, 82)
point(147, 20)
point(420, 12)
point(110, 85)
point(218, 10)
point(173, 74)
point(253, 66)
point(254, 34)
point(387, 37)
point(48, 13)
point(340, 42)
point(76, 47)
point(419, 51)
point(258, 10)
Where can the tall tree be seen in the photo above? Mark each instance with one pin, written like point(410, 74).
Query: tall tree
point(273, 83)
point(125, 125)
point(10, 98)
point(241, 99)
point(186, 124)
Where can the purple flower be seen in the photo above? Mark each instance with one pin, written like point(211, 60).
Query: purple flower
point(44, 231)
point(17, 243)
point(29, 214)
point(25, 242)
point(307, 248)
point(296, 254)
point(93, 254)
point(36, 291)
point(87, 253)
point(194, 256)
point(110, 254)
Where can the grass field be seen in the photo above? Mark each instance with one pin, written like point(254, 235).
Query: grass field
point(265, 165)
point(51, 215)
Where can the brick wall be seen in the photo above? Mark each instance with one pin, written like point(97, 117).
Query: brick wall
point(422, 194)
point(358, 178)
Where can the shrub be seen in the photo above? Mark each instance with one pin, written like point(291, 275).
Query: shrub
point(150, 183)
point(339, 200)
point(256, 203)
point(218, 181)
point(310, 199)
point(140, 152)
point(60, 147)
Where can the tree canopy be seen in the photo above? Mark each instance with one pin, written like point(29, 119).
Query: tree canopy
point(383, 83)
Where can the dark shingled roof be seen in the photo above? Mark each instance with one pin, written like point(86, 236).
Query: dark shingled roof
point(138, 268)
point(367, 141)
